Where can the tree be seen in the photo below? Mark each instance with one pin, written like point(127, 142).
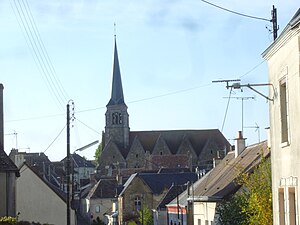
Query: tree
point(259, 192)
point(98, 152)
point(231, 212)
point(253, 203)
point(145, 216)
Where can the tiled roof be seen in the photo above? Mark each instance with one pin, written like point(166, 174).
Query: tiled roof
point(220, 182)
point(6, 164)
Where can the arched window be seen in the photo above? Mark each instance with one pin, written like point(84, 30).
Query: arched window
point(137, 203)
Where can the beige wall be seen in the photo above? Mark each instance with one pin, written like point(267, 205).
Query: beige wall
point(283, 63)
point(105, 206)
point(204, 211)
point(37, 202)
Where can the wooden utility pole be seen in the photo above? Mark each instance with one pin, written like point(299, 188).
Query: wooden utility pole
point(68, 165)
point(274, 22)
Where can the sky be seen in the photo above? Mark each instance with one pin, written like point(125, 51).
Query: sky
point(169, 51)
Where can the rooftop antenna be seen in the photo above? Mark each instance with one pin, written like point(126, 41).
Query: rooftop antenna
point(16, 136)
point(238, 85)
point(242, 99)
point(256, 129)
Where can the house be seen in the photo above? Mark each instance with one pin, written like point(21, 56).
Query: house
point(39, 200)
point(198, 204)
point(8, 172)
point(283, 67)
point(126, 152)
point(52, 172)
point(82, 169)
point(100, 199)
point(143, 190)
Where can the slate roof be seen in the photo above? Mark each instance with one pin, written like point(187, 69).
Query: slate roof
point(174, 191)
point(104, 188)
point(173, 139)
point(117, 96)
point(81, 162)
point(6, 164)
point(159, 182)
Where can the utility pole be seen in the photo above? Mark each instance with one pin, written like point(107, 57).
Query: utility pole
point(274, 22)
point(68, 165)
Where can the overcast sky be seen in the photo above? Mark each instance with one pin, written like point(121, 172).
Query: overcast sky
point(169, 51)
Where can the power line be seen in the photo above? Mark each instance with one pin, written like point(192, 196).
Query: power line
point(237, 13)
point(38, 50)
point(253, 68)
point(49, 62)
point(229, 97)
point(87, 126)
point(55, 139)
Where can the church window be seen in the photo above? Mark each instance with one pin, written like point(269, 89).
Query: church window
point(137, 203)
point(160, 153)
point(137, 155)
point(97, 208)
point(120, 118)
point(113, 156)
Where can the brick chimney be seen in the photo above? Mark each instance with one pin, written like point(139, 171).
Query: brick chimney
point(1, 118)
point(240, 144)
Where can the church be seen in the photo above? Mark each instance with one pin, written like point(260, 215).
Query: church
point(125, 152)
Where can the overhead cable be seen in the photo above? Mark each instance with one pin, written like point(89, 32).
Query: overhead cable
point(234, 12)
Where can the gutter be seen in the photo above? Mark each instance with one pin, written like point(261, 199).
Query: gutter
point(205, 198)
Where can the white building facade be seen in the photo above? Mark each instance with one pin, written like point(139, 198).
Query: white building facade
point(283, 65)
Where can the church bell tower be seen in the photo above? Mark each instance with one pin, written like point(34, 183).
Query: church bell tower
point(116, 116)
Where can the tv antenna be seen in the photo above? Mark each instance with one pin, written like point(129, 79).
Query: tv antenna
point(242, 99)
point(256, 127)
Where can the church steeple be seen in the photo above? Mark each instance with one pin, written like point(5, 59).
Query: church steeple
point(117, 118)
point(117, 96)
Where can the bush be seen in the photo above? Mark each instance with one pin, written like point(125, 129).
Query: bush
point(7, 220)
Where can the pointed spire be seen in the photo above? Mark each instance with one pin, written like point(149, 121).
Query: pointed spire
point(117, 96)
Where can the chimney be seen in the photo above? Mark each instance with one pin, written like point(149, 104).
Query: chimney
point(1, 118)
point(240, 144)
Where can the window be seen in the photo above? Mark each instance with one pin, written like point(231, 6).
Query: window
point(292, 206)
point(137, 203)
point(281, 206)
point(117, 118)
point(97, 208)
point(284, 111)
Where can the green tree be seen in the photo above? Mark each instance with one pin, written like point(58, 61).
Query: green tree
point(98, 152)
point(145, 216)
point(253, 203)
point(259, 192)
point(231, 212)
point(131, 222)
